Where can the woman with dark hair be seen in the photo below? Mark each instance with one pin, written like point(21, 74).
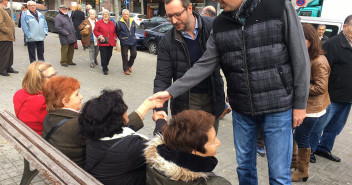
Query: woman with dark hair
point(63, 102)
point(185, 152)
point(318, 101)
point(114, 152)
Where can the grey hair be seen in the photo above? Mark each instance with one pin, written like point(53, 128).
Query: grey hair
point(348, 20)
point(31, 2)
point(89, 7)
point(321, 25)
point(210, 11)
point(125, 11)
point(92, 11)
point(105, 11)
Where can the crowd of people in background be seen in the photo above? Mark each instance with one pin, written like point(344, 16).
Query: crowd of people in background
point(288, 86)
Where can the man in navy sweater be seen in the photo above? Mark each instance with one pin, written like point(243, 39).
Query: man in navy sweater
point(179, 49)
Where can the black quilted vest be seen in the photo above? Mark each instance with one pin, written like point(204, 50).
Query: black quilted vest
point(255, 60)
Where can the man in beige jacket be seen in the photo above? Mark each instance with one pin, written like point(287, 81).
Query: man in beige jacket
point(7, 36)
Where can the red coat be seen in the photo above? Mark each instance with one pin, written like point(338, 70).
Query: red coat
point(30, 109)
point(107, 30)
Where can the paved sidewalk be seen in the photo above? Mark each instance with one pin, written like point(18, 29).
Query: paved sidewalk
point(137, 87)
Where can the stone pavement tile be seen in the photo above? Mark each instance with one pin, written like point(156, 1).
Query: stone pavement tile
point(17, 179)
point(7, 182)
point(3, 175)
point(39, 183)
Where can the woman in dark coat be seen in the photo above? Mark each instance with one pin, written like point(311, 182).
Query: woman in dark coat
point(185, 152)
point(124, 163)
point(78, 17)
point(63, 101)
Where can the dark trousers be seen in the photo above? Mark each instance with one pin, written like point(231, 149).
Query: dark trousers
point(105, 56)
point(67, 52)
point(302, 133)
point(124, 53)
point(39, 45)
point(260, 141)
point(202, 102)
point(6, 55)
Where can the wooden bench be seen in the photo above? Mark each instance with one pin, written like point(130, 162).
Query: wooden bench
point(45, 158)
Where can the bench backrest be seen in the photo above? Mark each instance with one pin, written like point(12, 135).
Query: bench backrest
point(53, 164)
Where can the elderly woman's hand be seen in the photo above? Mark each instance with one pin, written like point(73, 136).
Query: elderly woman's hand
point(159, 115)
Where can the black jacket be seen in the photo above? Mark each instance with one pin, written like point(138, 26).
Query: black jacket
point(256, 62)
point(125, 163)
point(174, 61)
point(77, 18)
point(339, 55)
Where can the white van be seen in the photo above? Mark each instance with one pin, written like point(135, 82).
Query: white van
point(333, 27)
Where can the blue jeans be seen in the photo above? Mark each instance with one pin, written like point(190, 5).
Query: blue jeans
point(331, 124)
point(277, 133)
point(302, 132)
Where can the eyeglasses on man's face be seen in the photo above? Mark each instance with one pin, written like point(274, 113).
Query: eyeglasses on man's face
point(176, 15)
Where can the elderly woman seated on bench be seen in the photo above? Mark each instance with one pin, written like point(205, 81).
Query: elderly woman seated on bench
point(185, 153)
point(61, 123)
point(29, 102)
point(114, 152)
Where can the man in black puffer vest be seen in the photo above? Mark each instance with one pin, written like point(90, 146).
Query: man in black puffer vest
point(261, 48)
point(179, 49)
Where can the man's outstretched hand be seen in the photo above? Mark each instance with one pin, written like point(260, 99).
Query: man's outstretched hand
point(161, 98)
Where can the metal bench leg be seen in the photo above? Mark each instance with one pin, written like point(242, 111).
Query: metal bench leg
point(28, 175)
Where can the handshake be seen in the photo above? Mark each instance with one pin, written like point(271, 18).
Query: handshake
point(155, 101)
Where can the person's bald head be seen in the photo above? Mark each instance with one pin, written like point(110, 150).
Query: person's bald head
point(209, 11)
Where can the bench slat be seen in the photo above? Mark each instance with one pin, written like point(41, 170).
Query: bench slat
point(58, 163)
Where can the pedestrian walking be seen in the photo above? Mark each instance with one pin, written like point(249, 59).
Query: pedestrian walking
point(318, 101)
point(321, 29)
point(126, 29)
point(7, 36)
point(339, 54)
point(88, 7)
point(88, 37)
point(78, 17)
point(23, 10)
point(105, 32)
point(64, 27)
point(260, 47)
point(179, 49)
point(35, 29)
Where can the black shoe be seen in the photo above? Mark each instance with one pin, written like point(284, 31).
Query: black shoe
point(328, 155)
point(312, 158)
point(96, 62)
point(65, 65)
point(72, 64)
point(105, 72)
point(4, 74)
point(11, 70)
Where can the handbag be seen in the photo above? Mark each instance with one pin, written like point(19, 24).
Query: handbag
point(106, 41)
point(84, 31)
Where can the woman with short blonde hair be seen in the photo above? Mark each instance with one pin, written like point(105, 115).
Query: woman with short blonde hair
point(29, 102)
